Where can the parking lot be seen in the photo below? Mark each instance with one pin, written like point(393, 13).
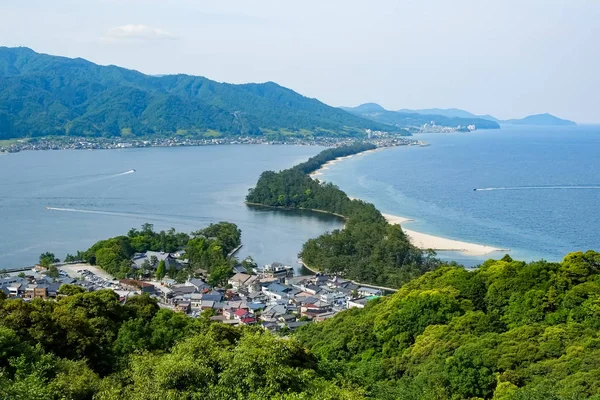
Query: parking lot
point(75, 271)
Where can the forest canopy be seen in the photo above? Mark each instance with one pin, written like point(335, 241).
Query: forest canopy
point(368, 249)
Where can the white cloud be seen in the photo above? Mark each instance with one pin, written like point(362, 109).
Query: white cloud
point(139, 32)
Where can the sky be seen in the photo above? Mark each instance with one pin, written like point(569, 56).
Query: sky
point(508, 58)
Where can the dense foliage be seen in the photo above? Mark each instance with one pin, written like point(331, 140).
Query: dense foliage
point(368, 249)
point(508, 330)
point(44, 95)
point(207, 248)
point(88, 346)
point(316, 162)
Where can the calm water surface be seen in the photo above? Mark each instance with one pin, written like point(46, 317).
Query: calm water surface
point(186, 188)
point(434, 185)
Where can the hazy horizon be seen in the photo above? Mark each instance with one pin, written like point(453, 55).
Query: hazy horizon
point(505, 58)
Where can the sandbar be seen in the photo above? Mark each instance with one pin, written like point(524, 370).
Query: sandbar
point(426, 241)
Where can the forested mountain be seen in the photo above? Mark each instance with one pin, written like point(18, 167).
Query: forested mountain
point(47, 95)
point(508, 330)
point(415, 120)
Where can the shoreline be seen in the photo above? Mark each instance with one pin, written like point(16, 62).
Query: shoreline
point(427, 241)
point(328, 164)
point(421, 240)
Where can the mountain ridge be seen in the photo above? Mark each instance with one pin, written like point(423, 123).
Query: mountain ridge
point(43, 95)
point(534, 119)
point(413, 120)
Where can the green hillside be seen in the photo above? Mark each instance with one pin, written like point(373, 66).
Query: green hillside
point(508, 330)
point(47, 95)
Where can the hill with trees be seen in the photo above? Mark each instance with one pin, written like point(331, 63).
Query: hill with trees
point(206, 248)
point(90, 346)
point(507, 330)
point(43, 95)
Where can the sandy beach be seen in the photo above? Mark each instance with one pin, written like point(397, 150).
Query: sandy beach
point(423, 240)
point(336, 160)
point(327, 165)
point(437, 243)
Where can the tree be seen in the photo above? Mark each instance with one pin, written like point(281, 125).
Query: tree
point(52, 271)
point(70, 290)
point(161, 270)
point(219, 275)
point(249, 264)
point(47, 259)
point(153, 261)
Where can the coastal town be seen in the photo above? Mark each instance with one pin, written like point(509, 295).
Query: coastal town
point(272, 297)
point(380, 139)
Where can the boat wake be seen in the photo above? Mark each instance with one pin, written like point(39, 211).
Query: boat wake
point(131, 171)
point(567, 187)
point(78, 210)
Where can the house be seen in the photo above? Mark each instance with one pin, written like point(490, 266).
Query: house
point(53, 289)
point(271, 326)
point(248, 321)
point(292, 326)
point(367, 291)
point(324, 316)
point(276, 291)
point(240, 314)
point(255, 307)
point(183, 306)
point(272, 313)
point(17, 289)
point(212, 296)
point(140, 260)
point(132, 284)
point(285, 318)
point(180, 290)
point(199, 284)
point(277, 270)
point(195, 299)
point(239, 280)
point(168, 282)
point(332, 297)
point(357, 303)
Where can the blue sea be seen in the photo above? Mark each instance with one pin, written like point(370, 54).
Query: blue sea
point(544, 202)
point(544, 197)
point(94, 195)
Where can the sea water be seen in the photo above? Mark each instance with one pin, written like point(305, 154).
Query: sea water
point(542, 198)
point(64, 201)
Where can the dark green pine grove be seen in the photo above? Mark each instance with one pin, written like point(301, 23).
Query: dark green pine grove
point(206, 249)
point(44, 95)
point(368, 249)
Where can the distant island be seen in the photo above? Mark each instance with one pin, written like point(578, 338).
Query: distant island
point(537, 119)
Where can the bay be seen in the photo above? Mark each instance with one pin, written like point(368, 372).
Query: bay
point(93, 195)
point(546, 181)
